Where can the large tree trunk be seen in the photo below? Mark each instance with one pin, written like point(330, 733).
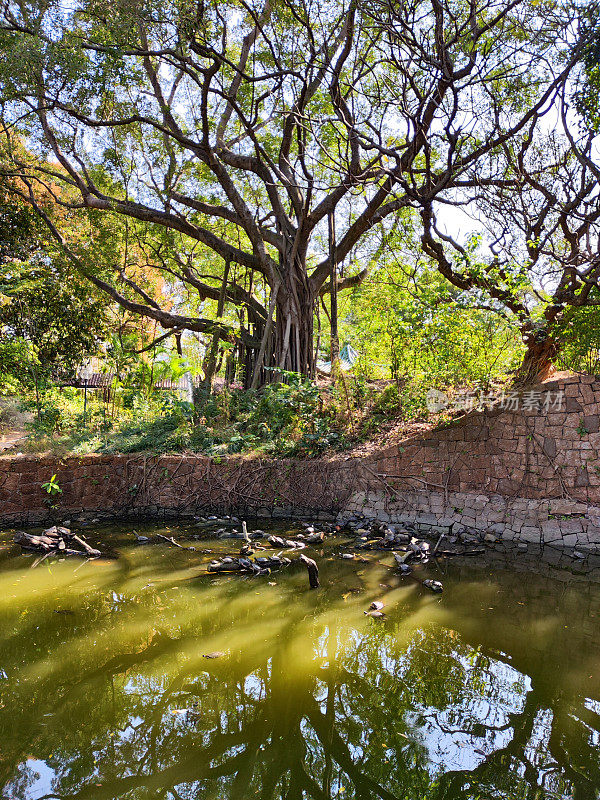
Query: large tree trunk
point(209, 365)
point(293, 340)
point(287, 338)
point(538, 361)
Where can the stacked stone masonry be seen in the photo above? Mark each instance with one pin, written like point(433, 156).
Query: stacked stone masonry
point(525, 470)
point(159, 487)
point(554, 522)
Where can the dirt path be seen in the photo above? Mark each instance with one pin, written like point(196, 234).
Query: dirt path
point(10, 439)
point(12, 425)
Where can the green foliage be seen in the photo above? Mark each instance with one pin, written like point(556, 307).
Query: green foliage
point(579, 333)
point(405, 401)
point(19, 229)
point(581, 429)
point(387, 403)
point(150, 140)
point(285, 419)
point(587, 95)
point(18, 361)
point(50, 317)
point(159, 422)
point(51, 486)
point(408, 322)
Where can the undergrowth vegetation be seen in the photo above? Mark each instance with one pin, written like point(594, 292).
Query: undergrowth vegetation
point(295, 418)
point(384, 393)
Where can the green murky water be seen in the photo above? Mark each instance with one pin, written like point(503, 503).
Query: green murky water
point(491, 690)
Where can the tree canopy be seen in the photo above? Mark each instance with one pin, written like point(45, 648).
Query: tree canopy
point(50, 321)
point(236, 131)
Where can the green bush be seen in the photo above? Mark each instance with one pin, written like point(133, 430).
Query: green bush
point(579, 334)
point(406, 401)
point(291, 418)
point(388, 402)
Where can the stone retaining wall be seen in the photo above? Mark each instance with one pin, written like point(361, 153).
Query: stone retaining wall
point(527, 469)
point(528, 474)
point(526, 452)
point(556, 522)
point(150, 487)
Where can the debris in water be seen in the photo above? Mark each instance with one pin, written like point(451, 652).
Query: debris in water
point(285, 544)
point(404, 568)
point(313, 571)
point(434, 586)
point(243, 565)
point(52, 542)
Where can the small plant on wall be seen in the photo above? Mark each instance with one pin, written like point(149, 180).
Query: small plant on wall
point(53, 492)
point(51, 486)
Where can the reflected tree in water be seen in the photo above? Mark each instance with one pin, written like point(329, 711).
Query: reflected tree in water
point(117, 701)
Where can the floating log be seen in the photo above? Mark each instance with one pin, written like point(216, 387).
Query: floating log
point(30, 542)
point(91, 551)
point(285, 544)
point(260, 566)
point(53, 542)
point(313, 571)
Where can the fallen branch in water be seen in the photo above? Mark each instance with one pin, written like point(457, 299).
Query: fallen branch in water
point(90, 551)
point(171, 540)
point(53, 542)
point(247, 566)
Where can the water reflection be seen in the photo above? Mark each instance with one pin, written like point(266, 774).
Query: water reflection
point(489, 691)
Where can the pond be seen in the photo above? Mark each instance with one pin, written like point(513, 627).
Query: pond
point(489, 690)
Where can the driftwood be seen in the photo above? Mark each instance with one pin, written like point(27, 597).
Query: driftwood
point(54, 542)
point(174, 542)
point(90, 551)
point(285, 544)
point(247, 566)
point(313, 571)
point(315, 538)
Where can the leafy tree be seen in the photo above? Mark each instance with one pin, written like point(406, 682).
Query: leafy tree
point(408, 318)
point(49, 320)
point(239, 129)
point(52, 312)
point(588, 87)
point(580, 332)
point(539, 256)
